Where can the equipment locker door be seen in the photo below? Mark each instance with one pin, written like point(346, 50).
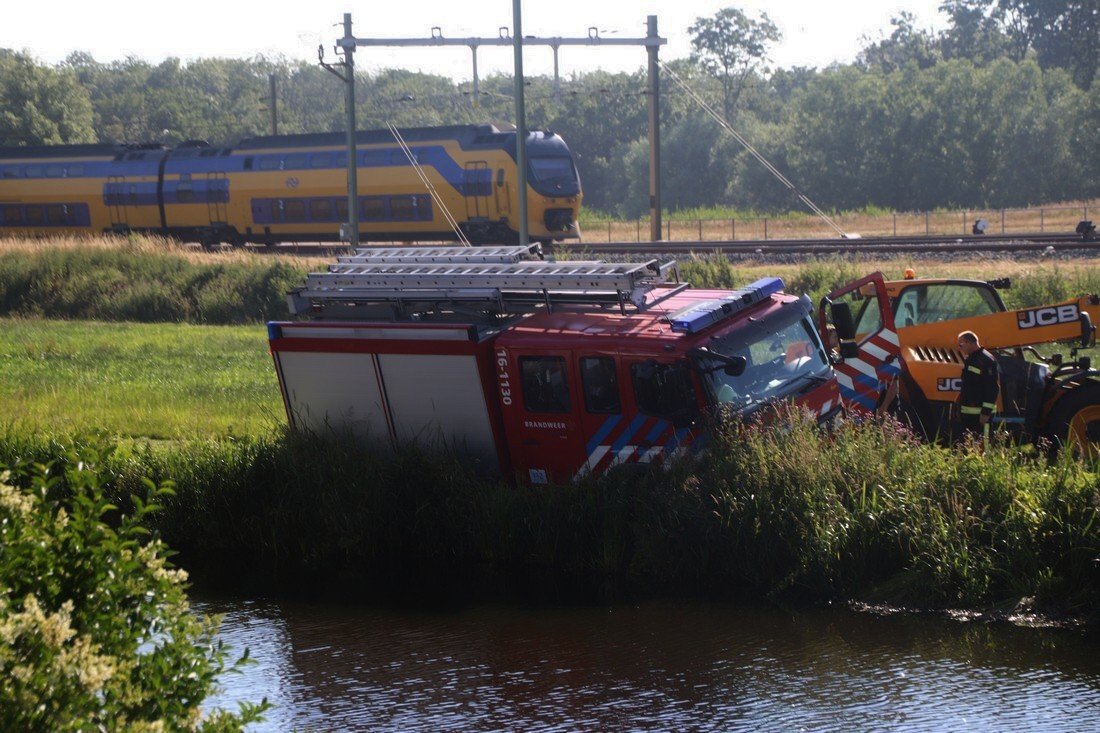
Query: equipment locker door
point(544, 433)
point(477, 180)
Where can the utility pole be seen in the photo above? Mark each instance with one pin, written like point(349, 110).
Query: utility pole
point(348, 44)
point(273, 105)
point(521, 119)
point(654, 132)
point(349, 231)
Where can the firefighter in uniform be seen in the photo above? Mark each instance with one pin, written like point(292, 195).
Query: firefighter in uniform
point(980, 386)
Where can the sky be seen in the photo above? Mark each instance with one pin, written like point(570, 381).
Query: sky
point(815, 32)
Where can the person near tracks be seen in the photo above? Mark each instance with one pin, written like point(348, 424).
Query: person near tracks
point(980, 386)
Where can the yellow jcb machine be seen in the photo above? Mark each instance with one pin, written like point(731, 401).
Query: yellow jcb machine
point(910, 327)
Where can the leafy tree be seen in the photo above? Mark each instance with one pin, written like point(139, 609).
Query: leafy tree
point(1064, 33)
point(40, 105)
point(906, 44)
point(976, 32)
point(731, 46)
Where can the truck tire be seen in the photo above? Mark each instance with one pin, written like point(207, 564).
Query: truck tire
point(1075, 421)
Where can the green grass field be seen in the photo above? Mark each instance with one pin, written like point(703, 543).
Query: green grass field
point(160, 381)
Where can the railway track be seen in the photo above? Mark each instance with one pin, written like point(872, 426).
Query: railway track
point(867, 245)
point(946, 245)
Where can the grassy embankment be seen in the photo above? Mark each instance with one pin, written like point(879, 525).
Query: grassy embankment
point(868, 514)
point(66, 368)
point(724, 223)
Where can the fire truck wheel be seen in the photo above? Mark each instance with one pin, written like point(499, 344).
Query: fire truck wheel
point(1075, 421)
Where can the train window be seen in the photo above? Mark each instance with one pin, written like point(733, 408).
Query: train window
point(321, 160)
point(423, 206)
point(544, 385)
point(133, 195)
point(270, 163)
point(185, 194)
point(372, 209)
point(55, 171)
point(500, 177)
point(75, 171)
point(373, 158)
point(34, 215)
point(11, 171)
point(295, 210)
point(34, 171)
point(341, 209)
point(55, 214)
point(297, 160)
point(601, 385)
point(320, 210)
point(401, 207)
point(12, 215)
point(248, 163)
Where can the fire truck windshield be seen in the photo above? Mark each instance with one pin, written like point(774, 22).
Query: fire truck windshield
point(780, 351)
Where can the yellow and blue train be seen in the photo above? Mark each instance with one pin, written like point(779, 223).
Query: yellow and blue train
point(293, 188)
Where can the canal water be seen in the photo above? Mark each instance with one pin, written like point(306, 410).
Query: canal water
point(655, 666)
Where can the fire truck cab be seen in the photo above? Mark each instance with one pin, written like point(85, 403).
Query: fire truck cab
point(548, 371)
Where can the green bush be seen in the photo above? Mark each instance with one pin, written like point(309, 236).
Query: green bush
point(95, 628)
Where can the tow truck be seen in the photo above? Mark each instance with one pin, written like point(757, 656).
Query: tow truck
point(545, 371)
point(908, 329)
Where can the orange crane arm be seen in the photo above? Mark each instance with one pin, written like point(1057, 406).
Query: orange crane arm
point(1069, 320)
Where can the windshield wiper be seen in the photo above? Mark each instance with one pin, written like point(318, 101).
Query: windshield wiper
point(816, 378)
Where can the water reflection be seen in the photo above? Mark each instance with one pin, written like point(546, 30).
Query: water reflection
point(656, 666)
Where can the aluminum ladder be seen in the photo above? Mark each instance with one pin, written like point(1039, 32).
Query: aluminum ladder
point(493, 281)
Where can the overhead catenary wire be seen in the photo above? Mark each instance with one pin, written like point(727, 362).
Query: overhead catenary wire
point(428, 185)
point(753, 151)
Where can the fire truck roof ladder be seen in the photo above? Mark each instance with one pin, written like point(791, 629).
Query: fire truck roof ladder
point(397, 282)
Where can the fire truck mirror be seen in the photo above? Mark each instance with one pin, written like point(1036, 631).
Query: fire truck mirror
point(842, 318)
point(736, 366)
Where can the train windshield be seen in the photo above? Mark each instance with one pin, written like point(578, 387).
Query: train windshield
point(554, 169)
point(781, 351)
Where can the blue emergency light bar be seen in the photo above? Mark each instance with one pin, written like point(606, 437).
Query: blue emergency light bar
point(697, 317)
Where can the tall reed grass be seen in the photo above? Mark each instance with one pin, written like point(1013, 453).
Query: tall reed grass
point(866, 512)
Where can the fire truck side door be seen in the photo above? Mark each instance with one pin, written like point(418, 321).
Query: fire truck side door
point(872, 360)
point(544, 431)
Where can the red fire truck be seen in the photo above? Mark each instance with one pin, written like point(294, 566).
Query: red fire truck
point(547, 370)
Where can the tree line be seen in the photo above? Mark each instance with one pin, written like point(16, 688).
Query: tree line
point(994, 111)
